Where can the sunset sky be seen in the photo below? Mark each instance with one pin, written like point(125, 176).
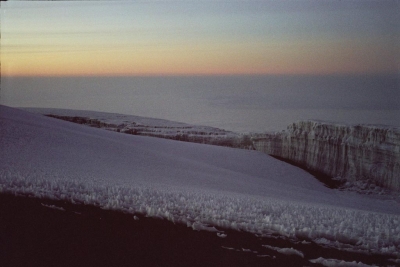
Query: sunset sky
point(113, 38)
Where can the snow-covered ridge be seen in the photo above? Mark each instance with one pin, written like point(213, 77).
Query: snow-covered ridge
point(351, 152)
point(160, 128)
point(202, 186)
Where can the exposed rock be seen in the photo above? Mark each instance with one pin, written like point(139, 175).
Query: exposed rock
point(351, 152)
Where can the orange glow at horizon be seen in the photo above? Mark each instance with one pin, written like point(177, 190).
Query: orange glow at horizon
point(41, 38)
point(250, 59)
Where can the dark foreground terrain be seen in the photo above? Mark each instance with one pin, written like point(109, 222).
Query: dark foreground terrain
point(41, 232)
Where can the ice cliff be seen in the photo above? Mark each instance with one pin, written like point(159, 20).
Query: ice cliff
point(351, 152)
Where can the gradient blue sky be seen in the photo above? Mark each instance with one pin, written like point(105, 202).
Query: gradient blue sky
point(199, 38)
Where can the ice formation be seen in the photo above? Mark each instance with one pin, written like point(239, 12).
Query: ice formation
point(337, 263)
point(287, 251)
point(205, 187)
point(143, 126)
point(351, 152)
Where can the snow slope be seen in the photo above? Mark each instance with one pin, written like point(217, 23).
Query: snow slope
point(137, 125)
point(113, 118)
point(206, 187)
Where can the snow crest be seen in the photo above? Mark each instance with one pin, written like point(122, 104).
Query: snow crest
point(337, 263)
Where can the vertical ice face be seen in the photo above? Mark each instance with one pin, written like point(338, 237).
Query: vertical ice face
point(353, 152)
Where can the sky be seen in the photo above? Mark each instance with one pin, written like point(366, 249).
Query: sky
point(112, 38)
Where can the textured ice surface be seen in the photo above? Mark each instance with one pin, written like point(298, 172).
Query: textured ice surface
point(205, 187)
point(335, 263)
point(287, 251)
point(352, 152)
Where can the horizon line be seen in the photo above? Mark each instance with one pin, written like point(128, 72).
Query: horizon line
point(148, 75)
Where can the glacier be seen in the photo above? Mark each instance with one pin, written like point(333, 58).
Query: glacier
point(144, 126)
point(202, 186)
point(369, 153)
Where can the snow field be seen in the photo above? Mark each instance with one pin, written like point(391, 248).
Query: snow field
point(205, 187)
point(337, 263)
point(287, 251)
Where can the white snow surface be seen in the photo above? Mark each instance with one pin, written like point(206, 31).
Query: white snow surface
point(111, 118)
point(336, 263)
point(203, 186)
point(287, 251)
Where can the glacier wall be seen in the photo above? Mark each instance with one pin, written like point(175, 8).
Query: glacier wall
point(352, 152)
